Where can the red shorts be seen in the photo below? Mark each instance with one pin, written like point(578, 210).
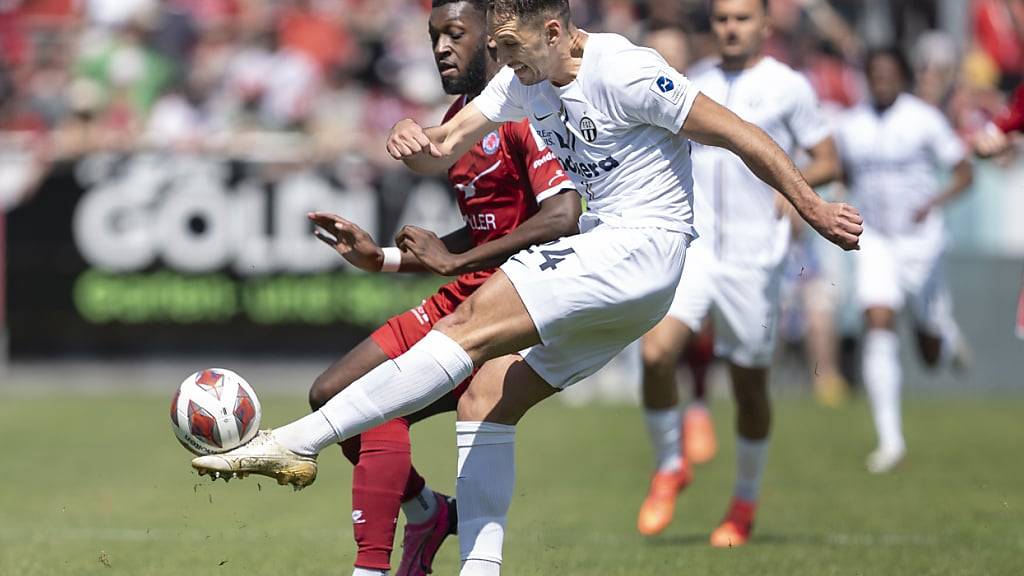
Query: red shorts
point(400, 332)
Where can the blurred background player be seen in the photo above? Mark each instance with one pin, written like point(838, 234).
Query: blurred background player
point(512, 193)
point(735, 267)
point(893, 149)
point(699, 443)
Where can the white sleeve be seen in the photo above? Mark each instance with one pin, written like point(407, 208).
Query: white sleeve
point(944, 143)
point(806, 120)
point(501, 100)
point(651, 91)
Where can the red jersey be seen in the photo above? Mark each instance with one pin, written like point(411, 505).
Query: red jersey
point(500, 183)
point(1013, 119)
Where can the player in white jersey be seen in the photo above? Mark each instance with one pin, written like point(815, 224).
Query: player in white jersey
point(893, 148)
point(620, 119)
point(735, 268)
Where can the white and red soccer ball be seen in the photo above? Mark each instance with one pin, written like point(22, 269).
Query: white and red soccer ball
point(215, 410)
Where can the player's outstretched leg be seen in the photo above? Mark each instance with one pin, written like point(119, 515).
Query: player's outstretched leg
point(501, 392)
point(383, 478)
point(660, 350)
point(492, 322)
point(753, 423)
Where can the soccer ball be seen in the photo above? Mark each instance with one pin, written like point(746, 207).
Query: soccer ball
point(215, 410)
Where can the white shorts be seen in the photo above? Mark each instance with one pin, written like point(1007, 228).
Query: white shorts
point(743, 301)
point(592, 294)
point(893, 271)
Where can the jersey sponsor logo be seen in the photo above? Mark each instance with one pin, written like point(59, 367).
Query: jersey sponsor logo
point(480, 222)
point(590, 169)
point(542, 160)
point(491, 142)
point(558, 174)
point(588, 129)
point(469, 190)
point(665, 87)
point(421, 315)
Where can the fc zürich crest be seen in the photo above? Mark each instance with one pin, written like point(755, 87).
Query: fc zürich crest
point(588, 129)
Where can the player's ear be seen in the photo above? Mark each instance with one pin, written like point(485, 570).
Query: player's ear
point(553, 31)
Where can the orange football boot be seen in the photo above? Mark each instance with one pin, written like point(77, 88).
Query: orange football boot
point(735, 528)
point(659, 506)
point(699, 443)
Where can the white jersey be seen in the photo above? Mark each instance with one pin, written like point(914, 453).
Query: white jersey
point(735, 210)
point(892, 160)
point(614, 128)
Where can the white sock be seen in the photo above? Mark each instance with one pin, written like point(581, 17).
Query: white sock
point(369, 572)
point(421, 508)
point(750, 458)
point(431, 368)
point(483, 486)
point(665, 430)
point(882, 381)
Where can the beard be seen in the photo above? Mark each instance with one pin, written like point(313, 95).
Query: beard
point(473, 80)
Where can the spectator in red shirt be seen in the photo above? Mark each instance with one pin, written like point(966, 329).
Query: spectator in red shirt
point(994, 139)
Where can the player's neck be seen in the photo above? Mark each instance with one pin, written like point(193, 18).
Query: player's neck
point(571, 59)
point(741, 63)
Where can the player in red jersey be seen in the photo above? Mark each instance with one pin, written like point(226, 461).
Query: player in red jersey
point(512, 193)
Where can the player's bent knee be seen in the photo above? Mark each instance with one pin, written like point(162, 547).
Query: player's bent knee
point(479, 404)
point(502, 392)
point(319, 392)
point(656, 355)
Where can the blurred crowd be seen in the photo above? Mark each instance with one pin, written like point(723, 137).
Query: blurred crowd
point(313, 79)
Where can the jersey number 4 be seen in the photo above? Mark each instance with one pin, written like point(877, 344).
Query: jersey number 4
point(552, 258)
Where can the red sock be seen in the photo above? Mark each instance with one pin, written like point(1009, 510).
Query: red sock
point(379, 482)
point(699, 354)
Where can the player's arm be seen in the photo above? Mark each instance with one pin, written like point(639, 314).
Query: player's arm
point(357, 247)
point(433, 150)
point(963, 177)
point(824, 166)
point(714, 125)
point(558, 216)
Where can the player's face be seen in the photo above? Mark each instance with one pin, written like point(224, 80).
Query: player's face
point(885, 80)
point(740, 27)
point(459, 37)
point(525, 47)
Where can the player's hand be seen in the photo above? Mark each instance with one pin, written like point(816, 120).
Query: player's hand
point(990, 141)
point(840, 224)
point(428, 249)
point(407, 138)
point(349, 240)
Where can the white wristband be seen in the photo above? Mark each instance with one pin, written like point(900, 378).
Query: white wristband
point(392, 259)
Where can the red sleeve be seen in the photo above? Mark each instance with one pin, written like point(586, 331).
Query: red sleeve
point(545, 172)
point(1013, 119)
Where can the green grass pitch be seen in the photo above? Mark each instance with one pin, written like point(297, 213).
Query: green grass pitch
point(96, 484)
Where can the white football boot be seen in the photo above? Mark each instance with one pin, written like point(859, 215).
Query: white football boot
point(883, 460)
point(262, 455)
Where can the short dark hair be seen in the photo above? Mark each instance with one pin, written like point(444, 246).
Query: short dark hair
point(890, 52)
point(480, 5)
point(530, 9)
point(764, 4)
